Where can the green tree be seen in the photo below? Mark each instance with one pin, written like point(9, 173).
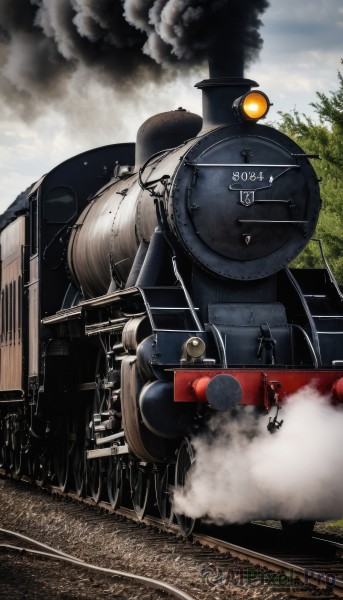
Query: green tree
point(325, 138)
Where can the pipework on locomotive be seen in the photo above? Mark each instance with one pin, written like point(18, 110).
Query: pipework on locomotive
point(147, 286)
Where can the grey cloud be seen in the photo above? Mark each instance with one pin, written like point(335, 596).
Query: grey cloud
point(42, 42)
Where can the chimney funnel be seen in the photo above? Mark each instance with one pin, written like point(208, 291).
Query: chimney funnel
point(225, 59)
point(218, 96)
point(226, 83)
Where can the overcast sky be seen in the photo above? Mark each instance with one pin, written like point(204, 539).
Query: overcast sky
point(303, 45)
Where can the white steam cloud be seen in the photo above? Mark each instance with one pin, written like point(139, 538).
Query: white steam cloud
point(242, 472)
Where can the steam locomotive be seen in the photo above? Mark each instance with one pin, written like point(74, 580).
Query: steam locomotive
point(146, 287)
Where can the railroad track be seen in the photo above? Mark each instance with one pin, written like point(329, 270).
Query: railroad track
point(268, 558)
point(319, 562)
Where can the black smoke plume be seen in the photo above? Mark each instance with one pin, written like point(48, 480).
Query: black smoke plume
point(44, 42)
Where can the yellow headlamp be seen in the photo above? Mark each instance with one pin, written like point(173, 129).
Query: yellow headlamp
point(252, 106)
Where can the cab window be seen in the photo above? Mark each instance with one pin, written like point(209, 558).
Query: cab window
point(59, 205)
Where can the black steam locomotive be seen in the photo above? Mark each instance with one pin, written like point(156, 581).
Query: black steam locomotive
point(145, 287)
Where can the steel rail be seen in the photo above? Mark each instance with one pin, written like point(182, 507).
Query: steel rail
point(317, 578)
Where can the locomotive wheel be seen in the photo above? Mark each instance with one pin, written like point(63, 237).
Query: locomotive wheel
point(30, 463)
point(17, 462)
point(164, 480)
point(94, 467)
point(79, 461)
point(3, 448)
point(79, 470)
point(95, 478)
point(3, 457)
point(140, 480)
point(185, 461)
point(115, 482)
point(16, 455)
point(61, 454)
point(41, 470)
